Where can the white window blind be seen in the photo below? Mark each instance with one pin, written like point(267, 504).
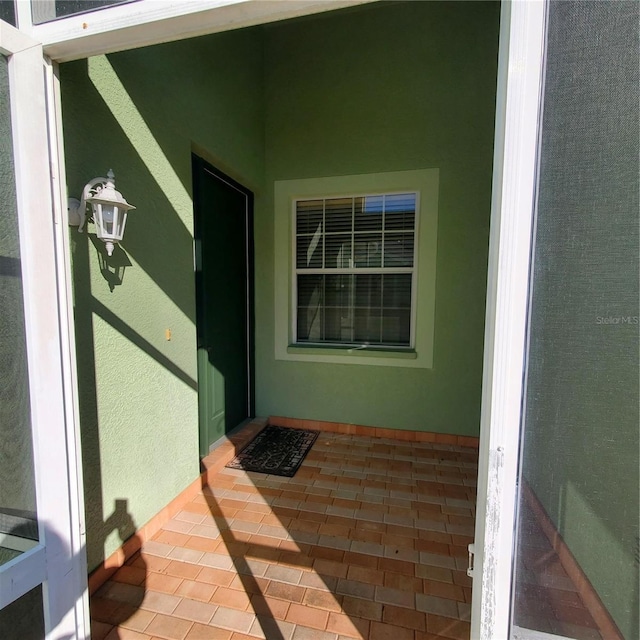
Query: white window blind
point(355, 270)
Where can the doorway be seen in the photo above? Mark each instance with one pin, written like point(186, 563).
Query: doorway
point(223, 224)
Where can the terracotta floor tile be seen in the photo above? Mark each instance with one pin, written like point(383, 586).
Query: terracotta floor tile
point(285, 591)
point(204, 632)
point(397, 566)
point(362, 559)
point(445, 590)
point(283, 574)
point(139, 620)
point(403, 617)
point(171, 537)
point(347, 626)
point(162, 582)
point(169, 627)
point(249, 584)
point(266, 627)
point(307, 616)
point(125, 593)
point(359, 608)
point(447, 627)
point(232, 619)
point(388, 595)
point(305, 633)
point(151, 563)
point(355, 588)
point(382, 631)
point(99, 630)
point(104, 610)
point(126, 634)
point(365, 574)
point(130, 575)
point(231, 598)
point(195, 610)
point(404, 583)
point(160, 602)
point(195, 590)
point(214, 576)
point(264, 605)
point(331, 554)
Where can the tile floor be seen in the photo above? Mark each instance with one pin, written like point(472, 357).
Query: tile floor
point(368, 540)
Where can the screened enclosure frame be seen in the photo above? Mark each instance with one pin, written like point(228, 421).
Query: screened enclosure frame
point(57, 562)
point(517, 113)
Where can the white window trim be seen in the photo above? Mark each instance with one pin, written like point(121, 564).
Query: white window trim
point(422, 181)
point(413, 271)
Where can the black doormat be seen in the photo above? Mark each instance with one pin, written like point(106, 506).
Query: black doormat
point(275, 450)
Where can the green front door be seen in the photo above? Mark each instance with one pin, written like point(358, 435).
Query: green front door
point(224, 247)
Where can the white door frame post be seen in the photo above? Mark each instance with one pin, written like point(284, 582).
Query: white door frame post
point(518, 111)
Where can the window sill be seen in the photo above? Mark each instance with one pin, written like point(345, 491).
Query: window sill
point(365, 351)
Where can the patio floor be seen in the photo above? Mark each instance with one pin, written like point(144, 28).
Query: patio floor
point(368, 540)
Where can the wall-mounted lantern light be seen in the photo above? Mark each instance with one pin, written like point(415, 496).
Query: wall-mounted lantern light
point(109, 210)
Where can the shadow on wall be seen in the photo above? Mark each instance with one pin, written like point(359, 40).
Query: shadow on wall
point(86, 305)
point(153, 232)
point(112, 267)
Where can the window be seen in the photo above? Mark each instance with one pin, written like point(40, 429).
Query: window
point(355, 269)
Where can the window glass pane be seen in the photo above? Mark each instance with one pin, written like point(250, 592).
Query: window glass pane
point(18, 527)
point(309, 216)
point(47, 10)
point(396, 321)
point(338, 215)
point(24, 618)
point(398, 249)
point(368, 213)
point(337, 250)
point(397, 290)
point(367, 250)
point(8, 11)
point(338, 319)
point(309, 252)
point(310, 304)
point(396, 326)
point(577, 550)
point(400, 211)
point(368, 308)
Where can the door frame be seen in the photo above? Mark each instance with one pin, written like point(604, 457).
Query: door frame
point(58, 561)
point(518, 123)
point(200, 165)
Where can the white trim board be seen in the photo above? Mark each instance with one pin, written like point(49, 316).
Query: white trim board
point(520, 77)
point(148, 22)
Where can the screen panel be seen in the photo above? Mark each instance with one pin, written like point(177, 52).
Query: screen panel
point(47, 10)
point(18, 526)
point(576, 571)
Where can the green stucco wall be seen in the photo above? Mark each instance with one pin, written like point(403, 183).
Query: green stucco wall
point(382, 88)
point(141, 113)
point(581, 447)
point(389, 88)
